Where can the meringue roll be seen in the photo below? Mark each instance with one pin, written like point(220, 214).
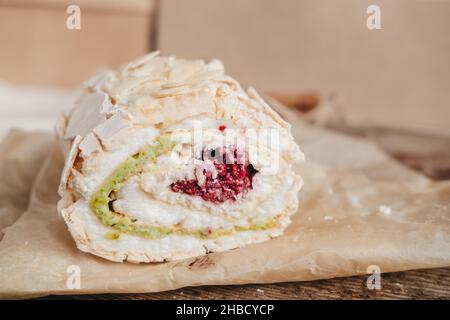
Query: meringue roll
point(168, 159)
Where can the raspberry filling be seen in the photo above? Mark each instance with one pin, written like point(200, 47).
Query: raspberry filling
point(234, 177)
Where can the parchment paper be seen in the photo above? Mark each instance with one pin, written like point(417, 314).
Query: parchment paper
point(358, 208)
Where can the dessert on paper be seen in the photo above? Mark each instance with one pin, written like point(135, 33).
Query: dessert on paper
point(170, 159)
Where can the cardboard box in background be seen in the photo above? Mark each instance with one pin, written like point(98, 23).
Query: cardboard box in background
point(38, 49)
point(398, 75)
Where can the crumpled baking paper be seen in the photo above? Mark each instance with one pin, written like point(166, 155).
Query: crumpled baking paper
point(358, 208)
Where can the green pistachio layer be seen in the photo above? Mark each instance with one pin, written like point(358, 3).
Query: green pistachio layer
point(100, 201)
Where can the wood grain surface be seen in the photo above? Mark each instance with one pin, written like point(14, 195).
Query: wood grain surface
point(414, 284)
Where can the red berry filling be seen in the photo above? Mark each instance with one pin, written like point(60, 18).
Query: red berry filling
point(234, 176)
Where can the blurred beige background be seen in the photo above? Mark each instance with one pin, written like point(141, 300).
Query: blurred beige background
point(399, 75)
point(38, 49)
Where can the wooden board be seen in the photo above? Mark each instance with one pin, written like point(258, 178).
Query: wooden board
point(415, 284)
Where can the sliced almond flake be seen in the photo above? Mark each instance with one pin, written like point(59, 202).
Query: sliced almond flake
point(89, 145)
point(126, 114)
point(68, 165)
point(178, 90)
point(107, 106)
point(160, 95)
point(100, 80)
point(150, 82)
point(147, 102)
point(216, 64)
point(61, 125)
point(170, 85)
point(141, 61)
point(60, 129)
point(180, 70)
point(131, 86)
point(110, 127)
point(252, 93)
point(86, 114)
point(155, 69)
point(204, 75)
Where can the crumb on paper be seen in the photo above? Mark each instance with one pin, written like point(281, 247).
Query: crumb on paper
point(328, 218)
point(385, 210)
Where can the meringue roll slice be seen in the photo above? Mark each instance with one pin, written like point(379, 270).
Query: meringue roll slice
point(168, 159)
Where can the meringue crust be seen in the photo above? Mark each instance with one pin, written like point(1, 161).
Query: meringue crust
point(116, 195)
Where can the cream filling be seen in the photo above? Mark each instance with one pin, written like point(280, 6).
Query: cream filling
point(101, 200)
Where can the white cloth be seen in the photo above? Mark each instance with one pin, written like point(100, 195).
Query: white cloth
point(31, 108)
